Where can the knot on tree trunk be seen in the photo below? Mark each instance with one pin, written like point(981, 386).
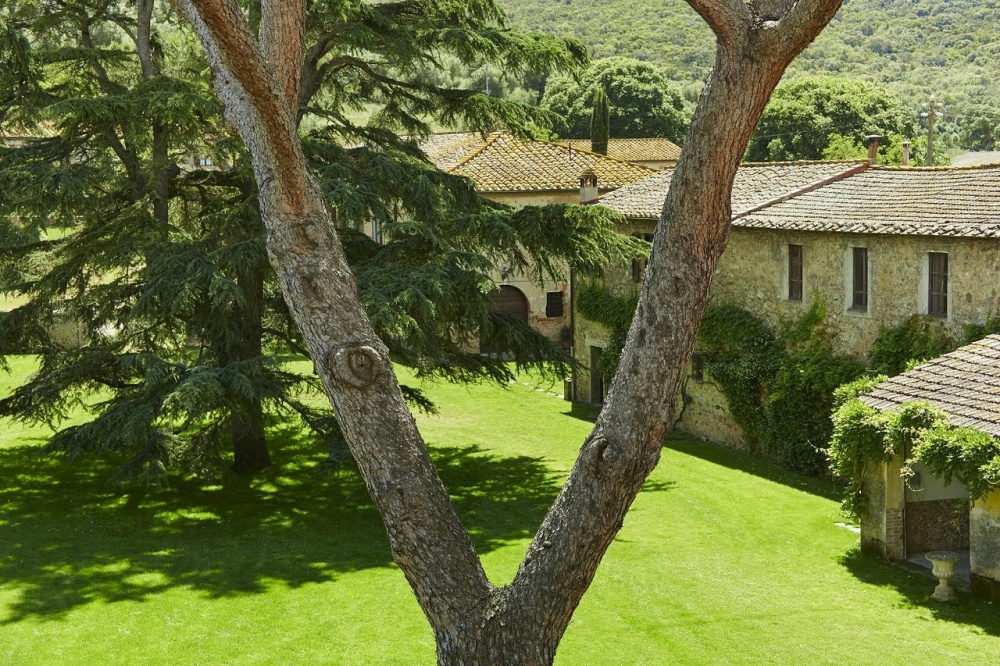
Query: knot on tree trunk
point(355, 364)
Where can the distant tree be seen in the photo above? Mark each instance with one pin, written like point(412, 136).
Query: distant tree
point(806, 115)
point(980, 127)
point(600, 124)
point(642, 99)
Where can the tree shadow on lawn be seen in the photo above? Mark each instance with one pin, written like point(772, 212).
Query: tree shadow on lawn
point(582, 411)
point(68, 539)
point(917, 589)
point(751, 464)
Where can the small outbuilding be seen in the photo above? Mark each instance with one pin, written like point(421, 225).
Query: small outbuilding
point(909, 515)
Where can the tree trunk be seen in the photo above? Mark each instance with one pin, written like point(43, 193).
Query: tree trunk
point(250, 454)
point(473, 622)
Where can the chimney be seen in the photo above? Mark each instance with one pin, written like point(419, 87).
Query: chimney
point(588, 186)
point(872, 140)
point(906, 153)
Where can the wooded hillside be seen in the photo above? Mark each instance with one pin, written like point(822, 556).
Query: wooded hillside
point(915, 47)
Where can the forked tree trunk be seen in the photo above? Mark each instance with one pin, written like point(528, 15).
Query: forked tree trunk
point(474, 622)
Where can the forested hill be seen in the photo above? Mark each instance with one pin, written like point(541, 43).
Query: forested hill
point(915, 47)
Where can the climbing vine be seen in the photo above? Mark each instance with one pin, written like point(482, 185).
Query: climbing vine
point(919, 432)
point(917, 338)
point(778, 386)
point(594, 302)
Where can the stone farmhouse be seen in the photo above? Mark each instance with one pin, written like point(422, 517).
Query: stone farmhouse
point(906, 518)
point(530, 173)
point(877, 244)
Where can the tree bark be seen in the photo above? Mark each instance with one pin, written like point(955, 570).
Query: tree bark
point(523, 622)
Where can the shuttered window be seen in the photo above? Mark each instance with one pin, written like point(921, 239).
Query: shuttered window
point(859, 289)
point(937, 288)
point(795, 272)
point(554, 304)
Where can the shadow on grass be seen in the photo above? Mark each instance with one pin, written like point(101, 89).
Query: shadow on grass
point(68, 539)
point(583, 412)
point(917, 588)
point(746, 462)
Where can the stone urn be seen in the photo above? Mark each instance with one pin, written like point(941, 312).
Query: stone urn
point(944, 571)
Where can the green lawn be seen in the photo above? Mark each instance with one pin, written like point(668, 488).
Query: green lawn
point(723, 559)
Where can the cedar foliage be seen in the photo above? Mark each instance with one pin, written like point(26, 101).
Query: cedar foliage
point(164, 270)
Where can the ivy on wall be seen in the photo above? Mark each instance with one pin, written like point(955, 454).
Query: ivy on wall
point(915, 338)
point(781, 388)
point(778, 386)
point(919, 432)
point(594, 302)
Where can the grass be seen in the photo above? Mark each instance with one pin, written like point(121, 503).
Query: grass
point(723, 559)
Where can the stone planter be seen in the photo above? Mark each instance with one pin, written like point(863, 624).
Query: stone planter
point(944, 571)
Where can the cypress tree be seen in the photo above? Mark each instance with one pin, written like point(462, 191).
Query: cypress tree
point(162, 268)
point(600, 123)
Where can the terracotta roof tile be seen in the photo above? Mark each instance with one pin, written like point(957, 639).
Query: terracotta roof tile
point(884, 200)
point(447, 150)
point(965, 384)
point(499, 162)
point(654, 149)
point(755, 185)
point(502, 163)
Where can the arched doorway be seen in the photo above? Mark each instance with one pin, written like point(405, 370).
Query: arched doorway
point(510, 301)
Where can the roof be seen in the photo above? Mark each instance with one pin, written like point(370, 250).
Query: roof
point(651, 149)
point(755, 185)
point(499, 162)
point(447, 150)
point(965, 384)
point(948, 201)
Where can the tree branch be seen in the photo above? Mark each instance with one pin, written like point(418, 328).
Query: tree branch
point(797, 29)
point(283, 32)
point(726, 18)
point(256, 105)
point(143, 39)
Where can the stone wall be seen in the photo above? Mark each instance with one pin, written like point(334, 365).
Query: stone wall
point(705, 413)
point(984, 546)
point(753, 274)
point(882, 529)
point(588, 334)
point(937, 525)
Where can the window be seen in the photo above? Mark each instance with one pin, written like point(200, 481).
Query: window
point(859, 279)
point(937, 284)
point(639, 265)
point(795, 272)
point(554, 304)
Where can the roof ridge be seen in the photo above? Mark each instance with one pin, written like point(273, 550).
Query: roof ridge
point(488, 141)
point(948, 167)
point(801, 162)
point(822, 182)
point(597, 155)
